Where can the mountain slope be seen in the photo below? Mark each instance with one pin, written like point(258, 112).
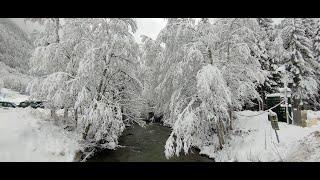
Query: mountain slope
point(15, 47)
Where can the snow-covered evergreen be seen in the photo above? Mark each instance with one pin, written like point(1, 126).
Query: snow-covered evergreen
point(301, 64)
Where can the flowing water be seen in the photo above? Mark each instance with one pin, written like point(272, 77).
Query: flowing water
point(145, 145)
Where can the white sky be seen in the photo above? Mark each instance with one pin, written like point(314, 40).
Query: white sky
point(146, 26)
point(149, 27)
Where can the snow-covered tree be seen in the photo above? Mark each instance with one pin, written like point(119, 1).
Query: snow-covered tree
point(150, 63)
point(309, 25)
point(301, 65)
point(316, 53)
point(48, 65)
point(91, 69)
point(198, 123)
point(266, 24)
point(108, 82)
point(50, 33)
point(237, 55)
point(316, 41)
point(278, 56)
point(227, 49)
point(180, 62)
point(265, 42)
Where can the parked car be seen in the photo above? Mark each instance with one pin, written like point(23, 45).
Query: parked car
point(4, 104)
point(38, 104)
point(33, 104)
point(24, 104)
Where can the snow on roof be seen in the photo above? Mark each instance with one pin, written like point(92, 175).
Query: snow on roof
point(281, 68)
point(281, 93)
point(274, 95)
point(278, 95)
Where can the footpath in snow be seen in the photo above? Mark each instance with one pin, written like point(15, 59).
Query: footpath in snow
point(254, 140)
point(27, 134)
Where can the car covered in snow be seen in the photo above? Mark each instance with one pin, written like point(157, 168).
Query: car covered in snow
point(4, 104)
point(33, 104)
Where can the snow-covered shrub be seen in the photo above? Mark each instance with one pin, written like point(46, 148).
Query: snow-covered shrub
point(102, 123)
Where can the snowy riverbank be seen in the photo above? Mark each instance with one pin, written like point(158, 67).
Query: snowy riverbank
point(27, 135)
point(254, 140)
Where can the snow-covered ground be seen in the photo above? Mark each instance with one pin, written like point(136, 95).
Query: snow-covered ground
point(254, 140)
point(27, 134)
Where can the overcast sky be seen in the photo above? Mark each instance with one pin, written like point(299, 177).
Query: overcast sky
point(146, 26)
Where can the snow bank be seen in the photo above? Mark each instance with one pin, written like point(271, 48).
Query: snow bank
point(307, 148)
point(313, 118)
point(254, 140)
point(27, 135)
point(12, 96)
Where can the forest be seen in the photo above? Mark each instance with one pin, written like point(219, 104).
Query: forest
point(195, 78)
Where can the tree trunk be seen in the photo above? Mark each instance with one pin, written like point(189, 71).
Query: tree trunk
point(85, 133)
point(76, 116)
point(220, 130)
point(57, 21)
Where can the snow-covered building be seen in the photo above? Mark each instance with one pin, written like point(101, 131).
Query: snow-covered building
point(279, 100)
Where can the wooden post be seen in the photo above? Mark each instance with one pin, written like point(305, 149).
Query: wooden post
point(219, 127)
point(85, 133)
point(277, 136)
point(231, 118)
point(296, 112)
point(54, 115)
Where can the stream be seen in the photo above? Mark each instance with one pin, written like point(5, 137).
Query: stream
point(145, 145)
